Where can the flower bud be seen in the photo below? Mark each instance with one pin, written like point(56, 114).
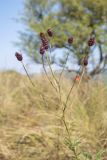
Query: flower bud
point(42, 35)
point(19, 56)
point(77, 78)
point(45, 43)
point(50, 33)
point(42, 50)
point(85, 61)
point(70, 40)
point(91, 42)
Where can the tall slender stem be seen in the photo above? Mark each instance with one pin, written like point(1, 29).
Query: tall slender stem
point(47, 74)
point(63, 67)
point(78, 84)
point(65, 105)
point(57, 82)
point(69, 93)
point(69, 137)
point(49, 63)
point(27, 74)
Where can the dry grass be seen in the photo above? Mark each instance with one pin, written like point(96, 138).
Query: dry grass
point(30, 126)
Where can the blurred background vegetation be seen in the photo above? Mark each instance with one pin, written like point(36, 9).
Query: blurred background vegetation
point(78, 18)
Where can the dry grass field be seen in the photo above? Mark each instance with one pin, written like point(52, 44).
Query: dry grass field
point(30, 119)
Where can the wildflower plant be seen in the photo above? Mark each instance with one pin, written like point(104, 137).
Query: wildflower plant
point(45, 52)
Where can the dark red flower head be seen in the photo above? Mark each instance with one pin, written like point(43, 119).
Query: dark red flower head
point(42, 35)
point(50, 33)
point(42, 50)
point(70, 40)
point(85, 61)
point(46, 46)
point(91, 41)
point(45, 43)
point(19, 56)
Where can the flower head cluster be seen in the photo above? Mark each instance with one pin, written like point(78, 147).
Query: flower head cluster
point(45, 42)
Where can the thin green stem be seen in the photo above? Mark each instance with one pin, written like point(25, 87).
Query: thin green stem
point(63, 117)
point(78, 84)
point(81, 76)
point(66, 127)
point(67, 130)
point(31, 80)
point(63, 67)
point(53, 75)
point(68, 96)
point(65, 105)
point(47, 74)
point(76, 155)
point(27, 74)
point(49, 63)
